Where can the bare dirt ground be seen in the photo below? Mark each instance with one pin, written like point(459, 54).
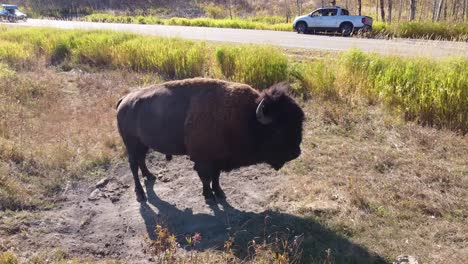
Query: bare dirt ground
point(107, 221)
point(104, 220)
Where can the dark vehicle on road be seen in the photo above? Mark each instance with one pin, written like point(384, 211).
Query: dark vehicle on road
point(12, 14)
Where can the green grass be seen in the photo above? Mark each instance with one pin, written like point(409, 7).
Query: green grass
point(423, 30)
point(263, 23)
point(433, 92)
point(260, 66)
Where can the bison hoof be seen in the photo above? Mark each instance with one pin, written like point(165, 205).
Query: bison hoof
point(220, 194)
point(208, 195)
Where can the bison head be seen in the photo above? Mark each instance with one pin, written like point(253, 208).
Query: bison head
point(280, 121)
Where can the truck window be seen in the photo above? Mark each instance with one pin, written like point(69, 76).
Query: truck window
point(316, 13)
point(330, 12)
point(344, 12)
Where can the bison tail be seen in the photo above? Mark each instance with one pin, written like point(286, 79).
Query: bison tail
point(118, 103)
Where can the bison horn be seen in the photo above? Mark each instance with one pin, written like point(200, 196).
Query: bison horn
point(264, 120)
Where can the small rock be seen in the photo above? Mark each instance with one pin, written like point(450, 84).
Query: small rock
point(94, 195)
point(406, 260)
point(102, 183)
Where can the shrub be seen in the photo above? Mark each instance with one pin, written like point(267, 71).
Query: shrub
point(214, 11)
point(315, 79)
point(432, 92)
point(259, 66)
point(173, 58)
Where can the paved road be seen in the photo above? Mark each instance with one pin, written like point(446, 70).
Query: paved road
point(404, 47)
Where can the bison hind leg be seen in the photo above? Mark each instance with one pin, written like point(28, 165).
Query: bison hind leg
point(142, 150)
point(140, 193)
point(136, 157)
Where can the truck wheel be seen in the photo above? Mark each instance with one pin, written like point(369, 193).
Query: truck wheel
point(346, 29)
point(301, 27)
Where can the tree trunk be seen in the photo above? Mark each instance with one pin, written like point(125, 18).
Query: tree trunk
point(434, 8)
point(382, 10)
point(441, 4)
point(229, 7)
point(454, 10)
point(412, 10)
point(445, 11)
point(464, 10)
point(400, 9)
point(377, 10)
point(359, 7)
point(421, 10)
point(299, 7)
point(390, 6)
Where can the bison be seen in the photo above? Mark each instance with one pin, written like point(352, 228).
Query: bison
point(220, 125)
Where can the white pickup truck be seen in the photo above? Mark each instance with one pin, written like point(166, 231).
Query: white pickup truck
point(334, 19)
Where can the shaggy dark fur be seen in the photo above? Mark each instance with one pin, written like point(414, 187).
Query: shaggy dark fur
point(214, 122)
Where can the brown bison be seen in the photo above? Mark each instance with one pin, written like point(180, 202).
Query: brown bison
point(220, 125)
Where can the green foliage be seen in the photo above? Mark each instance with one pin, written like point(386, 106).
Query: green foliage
point(260, 66)
point(173, 58)
point(432, 92)
point(14, 53)
point(263, 23)
point(316, 79)
point(214, 11)
point(96, 48)
point(424, 30)
point(109, 18)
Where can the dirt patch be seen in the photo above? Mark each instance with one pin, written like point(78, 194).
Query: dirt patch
point(104, 220)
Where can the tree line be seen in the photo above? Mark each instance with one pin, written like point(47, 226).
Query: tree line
point(381, 10)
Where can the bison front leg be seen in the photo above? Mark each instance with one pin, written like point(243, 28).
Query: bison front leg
point(205, 172)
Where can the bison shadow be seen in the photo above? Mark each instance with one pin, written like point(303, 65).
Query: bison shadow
point(244, 227)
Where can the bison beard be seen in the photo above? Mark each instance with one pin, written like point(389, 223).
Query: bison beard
point(220, 125)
